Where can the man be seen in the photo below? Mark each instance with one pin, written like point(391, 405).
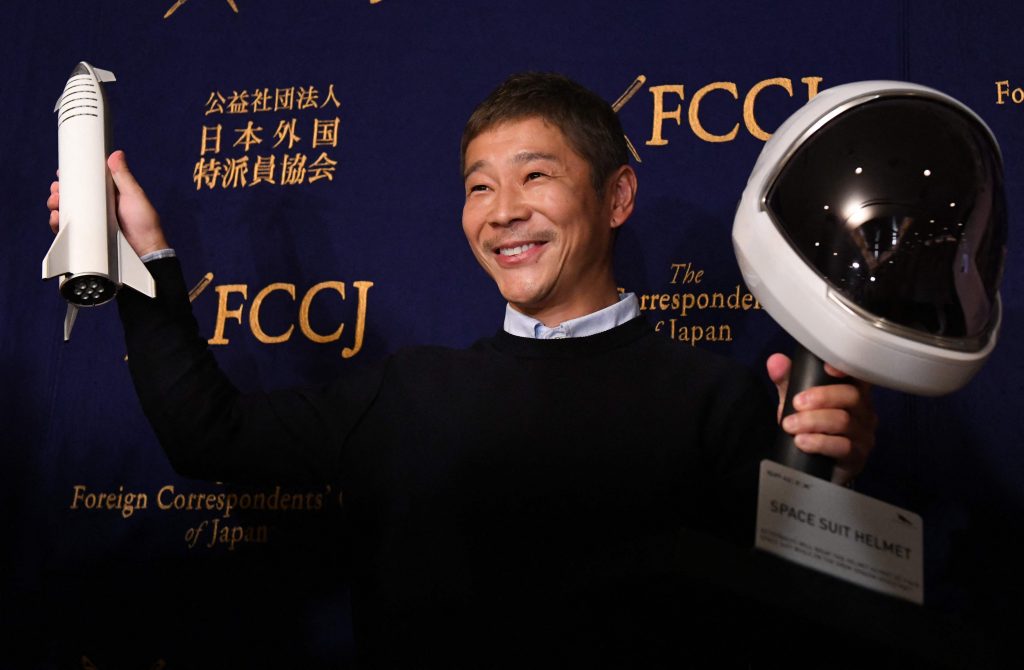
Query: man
point(518, 497)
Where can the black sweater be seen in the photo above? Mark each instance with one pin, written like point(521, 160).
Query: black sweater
point(502, 499)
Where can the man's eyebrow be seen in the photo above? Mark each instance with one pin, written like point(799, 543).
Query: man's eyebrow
point(519, 159)
point(527, 156)
point(473, 168)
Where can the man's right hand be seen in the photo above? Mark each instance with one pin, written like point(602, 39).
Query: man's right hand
point(139, 221)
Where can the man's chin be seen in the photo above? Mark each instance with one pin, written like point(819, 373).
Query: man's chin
point(525, 294)
point(526, 303)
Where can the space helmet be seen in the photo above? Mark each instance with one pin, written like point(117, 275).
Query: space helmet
point(873, 229)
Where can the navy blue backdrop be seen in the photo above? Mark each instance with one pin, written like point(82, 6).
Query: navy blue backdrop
point(304, 159)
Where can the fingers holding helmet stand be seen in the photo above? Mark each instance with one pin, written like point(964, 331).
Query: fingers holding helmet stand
point(827, 419)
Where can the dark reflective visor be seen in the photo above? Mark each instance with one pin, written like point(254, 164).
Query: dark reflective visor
point(898, 203)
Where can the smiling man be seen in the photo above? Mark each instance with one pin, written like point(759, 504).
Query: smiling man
point(525, 497)
point(538, 223)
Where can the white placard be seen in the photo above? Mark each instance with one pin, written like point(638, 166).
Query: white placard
point(839, 532)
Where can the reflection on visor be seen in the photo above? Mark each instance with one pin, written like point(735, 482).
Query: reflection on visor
point(898, 203)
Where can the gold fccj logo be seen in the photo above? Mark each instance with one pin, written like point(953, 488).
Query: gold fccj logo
point(667, 107)
point(239, 293)
point(231, 3)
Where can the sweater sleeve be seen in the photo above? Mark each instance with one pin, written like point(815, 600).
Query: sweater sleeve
point(739, 432)
point(208, 428)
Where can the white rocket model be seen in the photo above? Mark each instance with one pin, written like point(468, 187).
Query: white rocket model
point(89, 252)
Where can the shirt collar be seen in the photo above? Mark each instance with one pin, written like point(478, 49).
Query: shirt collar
point(626, 309)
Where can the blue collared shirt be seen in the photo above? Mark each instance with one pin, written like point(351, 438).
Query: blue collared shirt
point(626, 309)
point(157, 255)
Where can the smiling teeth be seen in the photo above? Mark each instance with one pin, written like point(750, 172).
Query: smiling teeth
point(515, 251)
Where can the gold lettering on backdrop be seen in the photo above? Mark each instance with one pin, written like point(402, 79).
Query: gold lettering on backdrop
point(331, 97)
point(226, 311)
point(689, 275)
point(325, 133)
point(748, 104)
point(667, 99)
point(322, 168)
point(293, 169)
point(226, 502)
point(206, 172)
point(694, 116)
point(236, 172)
point(238, 103)
point(268, 152)
point(1004, 93)
point(215, 103)
point(284, 98)
point(247, 136)
point(218, 531)
point(308, 98)
point(221, 530)
point(210, 141)
point(254, 314)
point(692, 300)
point(812, 85)
point(124, 502)
point(223, 313)
point(362, 287)
point(307, 300)
point(222, 533)
point(263, 170)
point(260, 100)
point(231, 535)
point(693, 335)
point(286, 132)
point(660, 114)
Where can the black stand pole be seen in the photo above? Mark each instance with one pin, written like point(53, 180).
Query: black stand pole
point(808, 370)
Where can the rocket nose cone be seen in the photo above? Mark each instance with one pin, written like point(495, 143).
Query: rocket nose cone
point(81, 68)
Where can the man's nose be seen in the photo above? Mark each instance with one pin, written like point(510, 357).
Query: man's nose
point(510, 207)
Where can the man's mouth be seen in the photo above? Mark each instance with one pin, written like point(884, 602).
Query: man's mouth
point(515, 251)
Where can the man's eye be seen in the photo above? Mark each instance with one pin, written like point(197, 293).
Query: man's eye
point(477, 187)
point(534, 175)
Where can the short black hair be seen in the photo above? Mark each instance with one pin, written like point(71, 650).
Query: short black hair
point(585, 119)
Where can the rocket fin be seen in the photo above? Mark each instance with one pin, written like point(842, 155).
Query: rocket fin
point(132, 271)
point(103, 75)
point(69, 320)
point(56, 260)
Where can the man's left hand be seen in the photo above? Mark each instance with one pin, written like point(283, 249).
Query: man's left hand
point(837, 421)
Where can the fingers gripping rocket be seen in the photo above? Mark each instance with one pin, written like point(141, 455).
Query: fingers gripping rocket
point(89, 253)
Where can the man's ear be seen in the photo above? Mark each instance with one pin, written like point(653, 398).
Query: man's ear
point(622, 193)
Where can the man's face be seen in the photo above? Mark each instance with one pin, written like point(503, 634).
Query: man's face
point(535, 222)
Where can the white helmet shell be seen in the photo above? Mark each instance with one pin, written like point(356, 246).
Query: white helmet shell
point(873, 230)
